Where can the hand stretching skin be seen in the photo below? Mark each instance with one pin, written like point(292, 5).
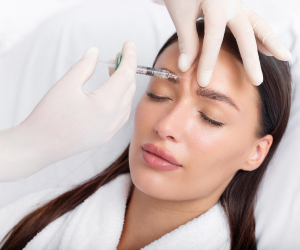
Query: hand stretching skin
point(250, 31)
point(67, 120)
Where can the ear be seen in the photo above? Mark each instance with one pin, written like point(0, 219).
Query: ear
point(257, 156)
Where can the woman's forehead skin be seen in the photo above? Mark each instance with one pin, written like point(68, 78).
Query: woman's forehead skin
point(228, 76)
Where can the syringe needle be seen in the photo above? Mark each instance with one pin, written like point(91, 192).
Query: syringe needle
point(109, 64)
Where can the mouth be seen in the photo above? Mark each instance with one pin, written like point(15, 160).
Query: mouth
point(159, 158)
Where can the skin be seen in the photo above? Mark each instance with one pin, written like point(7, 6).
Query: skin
point(210, 155)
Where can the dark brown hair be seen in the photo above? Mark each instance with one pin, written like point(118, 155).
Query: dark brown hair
point(238, 198)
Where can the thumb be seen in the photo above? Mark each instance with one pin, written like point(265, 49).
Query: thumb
point(124, 76)
point(82, 71)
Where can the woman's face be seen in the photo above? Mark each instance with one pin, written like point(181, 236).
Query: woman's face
point(212, 135)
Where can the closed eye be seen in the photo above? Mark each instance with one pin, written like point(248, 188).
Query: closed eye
point(211, 121)
point(205, 117)
point(157, 98)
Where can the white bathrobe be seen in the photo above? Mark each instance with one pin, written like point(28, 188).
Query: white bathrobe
point(97, 223)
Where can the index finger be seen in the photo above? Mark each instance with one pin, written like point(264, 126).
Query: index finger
point(215, 24)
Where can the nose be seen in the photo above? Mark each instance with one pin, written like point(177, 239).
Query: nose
point(173, 123)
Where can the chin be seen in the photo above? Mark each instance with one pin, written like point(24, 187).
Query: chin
point(154, 184)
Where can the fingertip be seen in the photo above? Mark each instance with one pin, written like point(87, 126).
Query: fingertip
point(257, 79)
point(183, 63)
point(259, 82)
point(93, 51)
point(286, 55)
point(203, 84)
point(129, 45)
point(267, 53)
point(84, 68)
point(280, 51)
point(253, 71)
point(203, 78)
point(129, 56)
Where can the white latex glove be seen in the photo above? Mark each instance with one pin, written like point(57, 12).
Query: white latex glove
point(250, 31)
point(67, 120)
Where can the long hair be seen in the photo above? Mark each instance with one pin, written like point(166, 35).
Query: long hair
point(238, 199)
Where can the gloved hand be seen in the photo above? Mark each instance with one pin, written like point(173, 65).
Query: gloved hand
point(68, 121)
point(250, 31)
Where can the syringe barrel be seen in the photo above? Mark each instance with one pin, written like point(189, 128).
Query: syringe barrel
point(146, 70)
point(152, 72)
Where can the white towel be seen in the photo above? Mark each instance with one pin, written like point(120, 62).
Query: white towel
point(97, 223)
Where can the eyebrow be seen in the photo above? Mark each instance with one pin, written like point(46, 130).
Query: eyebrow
point(207, 93)
point(216, 96)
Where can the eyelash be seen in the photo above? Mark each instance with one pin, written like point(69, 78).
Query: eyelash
point(207, 119)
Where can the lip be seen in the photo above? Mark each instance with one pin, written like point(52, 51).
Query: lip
point(161, 153)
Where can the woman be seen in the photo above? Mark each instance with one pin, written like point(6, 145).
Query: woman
point(219, 139)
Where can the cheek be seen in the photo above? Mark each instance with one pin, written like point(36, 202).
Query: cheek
point(143, 125)
point(214, 156)
point(144, 118)
point(224, 148)
point(217, 149)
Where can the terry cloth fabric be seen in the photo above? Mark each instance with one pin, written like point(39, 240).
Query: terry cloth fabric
point(97, 223)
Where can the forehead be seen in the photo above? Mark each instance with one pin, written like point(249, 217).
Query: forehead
point(228, 76)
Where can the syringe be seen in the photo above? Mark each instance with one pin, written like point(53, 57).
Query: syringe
point(161, 73)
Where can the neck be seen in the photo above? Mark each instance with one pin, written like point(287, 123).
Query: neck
point(147, 218)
